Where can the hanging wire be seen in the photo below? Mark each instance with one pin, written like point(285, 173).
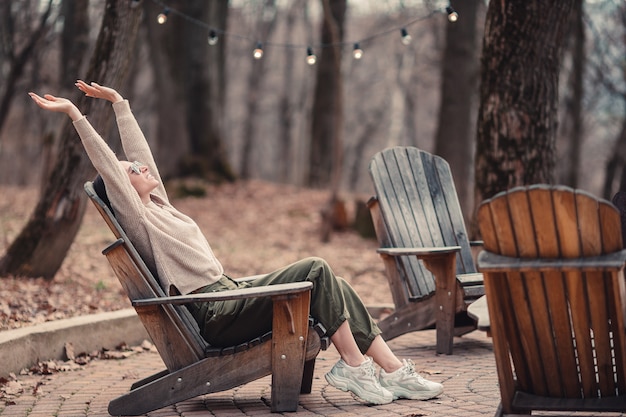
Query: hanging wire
point(215, 32)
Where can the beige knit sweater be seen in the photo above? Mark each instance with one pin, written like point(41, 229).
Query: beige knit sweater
point(170, 243)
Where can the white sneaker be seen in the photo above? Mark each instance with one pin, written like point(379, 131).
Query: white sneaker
point(406, 383)
point(360, 380)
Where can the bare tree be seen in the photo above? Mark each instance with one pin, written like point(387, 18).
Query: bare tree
point(573, 101)
point(327, 125)
point(74, 40)
point(190, 79)
point(17, 58)
point(454, 140)
point(265, 27)
point(517, 119)
point(287, 106)
point(41, 246)
point(327, 118)
point(615, 175)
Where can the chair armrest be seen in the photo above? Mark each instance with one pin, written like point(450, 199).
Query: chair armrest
point(477, 243)
point(419, 252)
point(266, 291)
point(490, 262)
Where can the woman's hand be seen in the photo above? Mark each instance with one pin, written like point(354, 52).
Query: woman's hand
point(99, 91)
point(57, 104)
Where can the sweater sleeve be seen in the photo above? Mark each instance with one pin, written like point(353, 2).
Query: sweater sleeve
point(135, 144)
point(120, 191)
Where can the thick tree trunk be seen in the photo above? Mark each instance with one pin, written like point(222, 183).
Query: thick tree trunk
point(41, 246)
point(517, 119)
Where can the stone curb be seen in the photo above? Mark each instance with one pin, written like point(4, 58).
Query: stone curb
point(24, 347)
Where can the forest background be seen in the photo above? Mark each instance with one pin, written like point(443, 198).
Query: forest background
point(261, 116)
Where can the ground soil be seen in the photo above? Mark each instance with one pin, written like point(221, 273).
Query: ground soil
point(253, 227)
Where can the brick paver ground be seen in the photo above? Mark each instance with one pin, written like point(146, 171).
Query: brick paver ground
point(469, 378)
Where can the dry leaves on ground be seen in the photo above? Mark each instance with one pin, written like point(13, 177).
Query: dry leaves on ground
point(253, 227)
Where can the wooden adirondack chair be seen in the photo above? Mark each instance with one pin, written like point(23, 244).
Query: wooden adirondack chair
point(424, 245)
point(193, 366)
point(553, 271)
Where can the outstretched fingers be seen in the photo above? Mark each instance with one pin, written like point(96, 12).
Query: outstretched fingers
point(89, 90)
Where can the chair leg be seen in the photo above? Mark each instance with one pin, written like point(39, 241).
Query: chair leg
point(289, 339)
point(307, 377)
point(443, 268)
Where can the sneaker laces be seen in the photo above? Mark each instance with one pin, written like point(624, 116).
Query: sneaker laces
point(367, 368)
point(409, 369)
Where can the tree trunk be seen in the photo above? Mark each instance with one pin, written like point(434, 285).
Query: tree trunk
point(190, 79)
point(74, 40)
point(333, 214)
point(265, 27)
point(327, 106)
point(517, 119)
point(41, 246)
point(574, 100)
point(171, 132)
point(454, 140)
point(20, 59)
point(205, 95)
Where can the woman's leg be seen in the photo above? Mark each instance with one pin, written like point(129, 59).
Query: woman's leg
point(381, 353)
point(228, 323)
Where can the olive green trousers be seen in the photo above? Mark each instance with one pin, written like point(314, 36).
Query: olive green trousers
point(333, 301)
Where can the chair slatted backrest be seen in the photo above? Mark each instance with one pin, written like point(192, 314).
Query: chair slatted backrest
point(420, 208)
point(562, 329)
point(172, 329)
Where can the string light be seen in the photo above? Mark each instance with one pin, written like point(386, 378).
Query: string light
point(311, 59)
point(357, 53)
point(406, 38)
point(258, 51)
point(162, 17)
point(212, 38)
point(453, 16)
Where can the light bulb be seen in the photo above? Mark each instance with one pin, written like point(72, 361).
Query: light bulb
point(212, 38)
point(162, 17)
point(406, 38)
point(357, 52)
point(258, 51)
point(453, 16)
point(311, 59)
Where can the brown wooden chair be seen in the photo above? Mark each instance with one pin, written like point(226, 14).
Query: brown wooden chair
point(553, 271)
point(193, 366)
point(424, 245)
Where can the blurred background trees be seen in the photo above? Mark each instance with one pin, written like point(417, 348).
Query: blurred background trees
point(212, 111)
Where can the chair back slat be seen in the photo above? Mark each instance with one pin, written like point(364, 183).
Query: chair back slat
point(420, 208)
point(172, 328)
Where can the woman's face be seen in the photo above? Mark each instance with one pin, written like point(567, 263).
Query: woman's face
point(140, 178)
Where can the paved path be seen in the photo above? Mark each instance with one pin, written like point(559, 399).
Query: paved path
point(469, 378)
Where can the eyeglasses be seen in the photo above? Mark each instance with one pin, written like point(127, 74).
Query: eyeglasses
point(135, 167)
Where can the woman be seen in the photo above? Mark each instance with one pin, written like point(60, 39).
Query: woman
point(188, 265)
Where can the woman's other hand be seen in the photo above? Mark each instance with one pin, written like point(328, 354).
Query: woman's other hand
point(99, 91)
point(57, 104)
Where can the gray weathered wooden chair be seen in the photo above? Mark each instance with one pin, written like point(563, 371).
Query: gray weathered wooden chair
point(193, 366)
point(553, 271)
point(424, 245)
